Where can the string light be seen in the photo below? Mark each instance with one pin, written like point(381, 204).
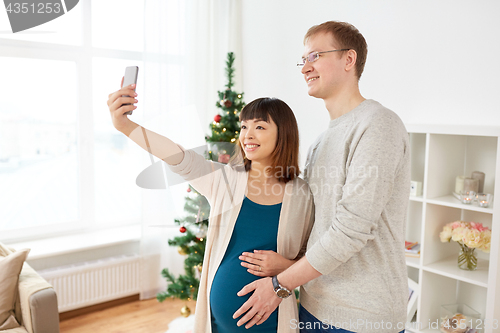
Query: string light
point(223, 130)
point(233, 139)
point(239, 96)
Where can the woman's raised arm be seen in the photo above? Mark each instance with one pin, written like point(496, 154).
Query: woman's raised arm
point(158, 145)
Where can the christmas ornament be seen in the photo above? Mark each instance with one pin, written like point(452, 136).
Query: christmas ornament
point(185, 311)
point(201, 231)
point(224, 158)
point(227, 103)
point(181, 251)
point(182, 229)
point(199, 267)
point(189, 189)
point(217, 118)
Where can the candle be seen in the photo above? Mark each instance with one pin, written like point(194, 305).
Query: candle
point(480, 177)
point(459, 184)
point(466, 200)
point(467, 197)
point(471, 184)
point(483, 199)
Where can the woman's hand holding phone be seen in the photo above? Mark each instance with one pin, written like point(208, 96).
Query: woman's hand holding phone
point(120, 106)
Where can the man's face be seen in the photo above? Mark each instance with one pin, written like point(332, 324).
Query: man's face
point(325, 75)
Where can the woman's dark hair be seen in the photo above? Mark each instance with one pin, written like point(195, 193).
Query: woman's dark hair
point(285, 156)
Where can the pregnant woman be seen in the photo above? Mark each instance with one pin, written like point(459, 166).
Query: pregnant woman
point(257, 201)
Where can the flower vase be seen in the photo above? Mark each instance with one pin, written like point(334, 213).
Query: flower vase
point(467, 259)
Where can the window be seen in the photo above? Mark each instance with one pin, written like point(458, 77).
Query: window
point(38, 143)
point(63, 166)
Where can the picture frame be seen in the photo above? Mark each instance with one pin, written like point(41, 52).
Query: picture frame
point(414, 291)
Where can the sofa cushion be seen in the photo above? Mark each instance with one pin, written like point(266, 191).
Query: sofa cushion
point(10, 267)
point(5, 250)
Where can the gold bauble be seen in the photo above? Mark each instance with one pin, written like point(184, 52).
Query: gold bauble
point(185, 311)
point(199, 267)
point(181, 251)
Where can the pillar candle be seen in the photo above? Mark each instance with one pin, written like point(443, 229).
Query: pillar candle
point(479, 176)
point(471, 184)
point(459, 184)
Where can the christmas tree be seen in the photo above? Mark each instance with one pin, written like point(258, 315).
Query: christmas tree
point(194, 225)
point(226, 124)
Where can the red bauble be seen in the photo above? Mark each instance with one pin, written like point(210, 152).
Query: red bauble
point(227, 103)
point(217, 118)
point(189, 189)
point(182, 229)
point(224, 158)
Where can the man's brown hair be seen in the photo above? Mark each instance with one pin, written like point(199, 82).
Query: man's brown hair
point(347, 37)
point(285, 157)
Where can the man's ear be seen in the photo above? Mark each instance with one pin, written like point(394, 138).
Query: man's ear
point(351, 58)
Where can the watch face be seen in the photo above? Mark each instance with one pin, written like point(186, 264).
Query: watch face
point(283, 293)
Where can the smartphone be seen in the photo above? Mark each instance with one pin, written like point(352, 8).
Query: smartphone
point(130, 78)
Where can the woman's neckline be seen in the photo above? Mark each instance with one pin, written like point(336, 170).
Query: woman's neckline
point(279, 203)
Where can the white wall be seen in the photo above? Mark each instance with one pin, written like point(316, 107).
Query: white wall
point(430, 61)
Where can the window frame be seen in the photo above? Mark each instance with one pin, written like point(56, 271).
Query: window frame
point(82, 55)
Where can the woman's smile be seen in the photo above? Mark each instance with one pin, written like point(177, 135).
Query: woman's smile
point(251, 147)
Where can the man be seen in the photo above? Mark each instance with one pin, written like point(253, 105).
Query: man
point(353, 275)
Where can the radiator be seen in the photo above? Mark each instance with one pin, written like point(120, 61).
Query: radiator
point(94, 282)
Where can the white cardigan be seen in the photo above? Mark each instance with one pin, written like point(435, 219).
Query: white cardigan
point(224, 186)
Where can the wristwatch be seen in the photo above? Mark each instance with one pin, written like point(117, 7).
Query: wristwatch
point(280, 291)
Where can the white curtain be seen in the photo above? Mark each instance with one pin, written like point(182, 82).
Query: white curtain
point(186, 43)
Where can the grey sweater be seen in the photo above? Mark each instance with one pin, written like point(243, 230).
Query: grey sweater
point(359, 173)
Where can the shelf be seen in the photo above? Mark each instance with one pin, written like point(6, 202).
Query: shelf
point(419, 198)
point(427, 330)
point(448, 267)
point(413, 262)
point(438, 155)
point(451, 201)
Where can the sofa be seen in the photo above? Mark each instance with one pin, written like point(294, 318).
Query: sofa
point(28, 303)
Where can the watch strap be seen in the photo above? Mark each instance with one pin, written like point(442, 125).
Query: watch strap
point(280, 291)
point(276, 284)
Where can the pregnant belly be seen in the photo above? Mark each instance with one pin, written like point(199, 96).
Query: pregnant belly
point(230, 278)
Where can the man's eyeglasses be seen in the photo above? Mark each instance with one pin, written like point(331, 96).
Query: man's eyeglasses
point(313, 56)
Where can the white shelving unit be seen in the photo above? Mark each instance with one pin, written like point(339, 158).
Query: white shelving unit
point(438, 155)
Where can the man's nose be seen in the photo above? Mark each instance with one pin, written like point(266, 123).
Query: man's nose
point(306, 68)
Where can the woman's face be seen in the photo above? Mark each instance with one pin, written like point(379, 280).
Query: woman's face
point(258, 139)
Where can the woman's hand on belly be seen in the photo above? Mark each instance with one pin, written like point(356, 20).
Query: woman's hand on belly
point(264, 263)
